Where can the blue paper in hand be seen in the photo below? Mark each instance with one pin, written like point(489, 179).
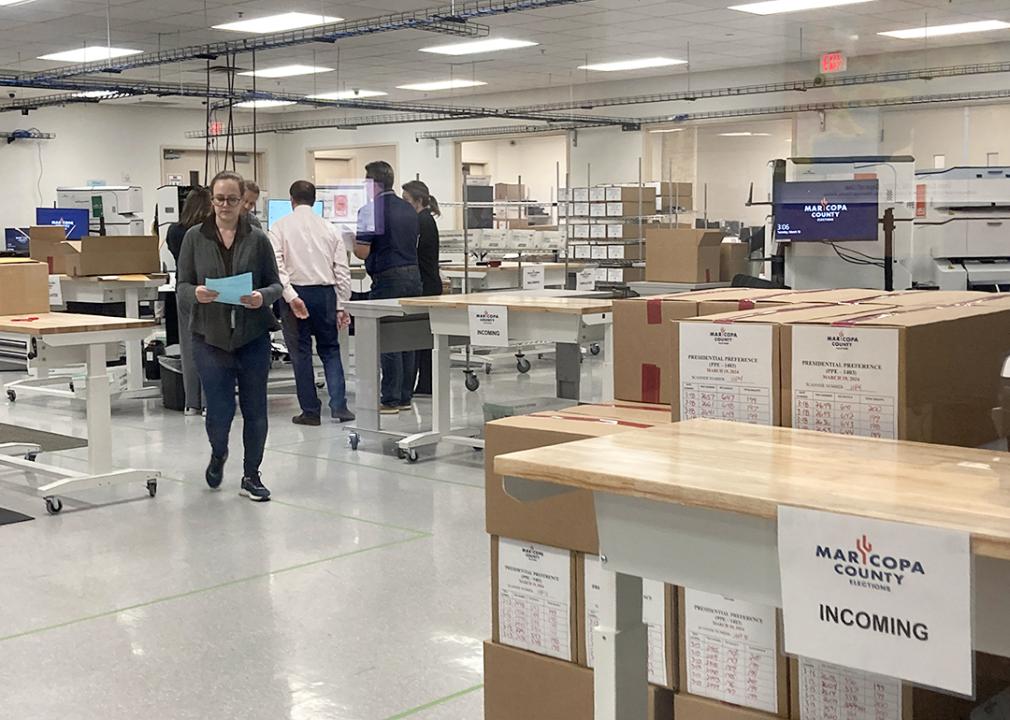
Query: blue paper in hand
point(231, 289)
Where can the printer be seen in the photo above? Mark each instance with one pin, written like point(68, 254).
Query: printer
point(961, 237)
point(121, 206)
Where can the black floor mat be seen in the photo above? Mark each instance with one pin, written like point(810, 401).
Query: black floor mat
point(9, 517)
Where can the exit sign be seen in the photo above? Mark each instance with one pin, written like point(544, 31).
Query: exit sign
point(833, 62)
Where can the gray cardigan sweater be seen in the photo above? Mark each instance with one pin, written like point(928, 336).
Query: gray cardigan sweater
point(228, 326)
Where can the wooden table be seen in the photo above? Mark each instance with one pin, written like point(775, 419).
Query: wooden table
point(695, 504)
point(92, 332)
point(566, 318)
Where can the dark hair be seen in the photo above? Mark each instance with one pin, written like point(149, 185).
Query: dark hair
point(303, 192)
point(197, 208)
point(251, 186)
point(419, 191)
point(225, 176)
point(381, 172)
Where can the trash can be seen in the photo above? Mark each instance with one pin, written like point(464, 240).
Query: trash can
point(173, 390)
point(152, 351)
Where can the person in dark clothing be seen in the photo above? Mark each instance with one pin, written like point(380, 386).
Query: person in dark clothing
point(416, 193)
point(195, 211)
point(387, 241)
point(231, 343)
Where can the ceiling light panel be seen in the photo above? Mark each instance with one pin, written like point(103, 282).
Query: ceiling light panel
point(347, 95)
point(264, 104)
point(639, 64)
point(667, 130)
point(93, 53)
point(441, 85)
point(278, 23)
point(774, 7)
point(479, 46)
point(934, 31)
point(9, 3)
point(287, 71)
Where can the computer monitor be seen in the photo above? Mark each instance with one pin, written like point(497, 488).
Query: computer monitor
point(16, 240)
point(276, 209)
point(827, 211)
point(72, 220)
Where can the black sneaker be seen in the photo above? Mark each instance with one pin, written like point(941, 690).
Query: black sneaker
point(215, 471)
point(305, 419)
point(254, 489)
point(343, 416)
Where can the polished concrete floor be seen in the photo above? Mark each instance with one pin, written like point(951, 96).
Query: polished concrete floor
point(361, 592)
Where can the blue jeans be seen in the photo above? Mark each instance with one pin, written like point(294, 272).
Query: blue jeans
point(398, 369)
point(220, 370)
point(321, 301)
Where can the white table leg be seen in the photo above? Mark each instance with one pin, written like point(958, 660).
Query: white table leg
point(99, 411)
point(620, 644)
point(134, 350)
point(440, 420)
point(608, 362)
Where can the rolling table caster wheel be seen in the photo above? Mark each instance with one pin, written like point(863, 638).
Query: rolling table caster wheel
point(11, 395)
point(411, 455)
point(53, 505)
point(523, 365)
point(72, 388)
point(31, 457)
point(472, 381)
point(401, 454)
point(487, 369)
point(152, 487)
point(320, 385)
point(353, 439)
point(594, 349)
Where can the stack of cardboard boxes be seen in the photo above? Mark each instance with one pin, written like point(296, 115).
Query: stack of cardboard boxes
point(94, 255)
point(24, 287)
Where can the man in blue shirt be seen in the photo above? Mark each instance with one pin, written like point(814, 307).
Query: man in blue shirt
point(387, 241)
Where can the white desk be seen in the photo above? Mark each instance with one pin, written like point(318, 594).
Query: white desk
point(507, 276)
point(128, 289)
point(381, 326)
point(92, 333)
point(645, 288)
point(567, 318)
point(695, 504)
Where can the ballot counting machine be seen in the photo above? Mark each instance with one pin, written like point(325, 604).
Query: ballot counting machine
point(961, 237)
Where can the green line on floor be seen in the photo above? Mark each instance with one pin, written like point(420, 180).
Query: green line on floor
point(377, 469)
point(434, 703)
point(219, 586)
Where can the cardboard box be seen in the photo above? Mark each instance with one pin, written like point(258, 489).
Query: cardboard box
point(733, 260)
point(630, 209)
point(632, 194)
point(598, 232)
point(927, 373)
point(710, 625)
point(992, 676)
point(509, 191)
point(673, 195)
point(626, 231)
point(728, 366)
point(565, 521)
point(689, 707)
point(819, 691)
point(682, 255)
point(24, 287)
point(659, 612)
point(112, 255)
point(45, 244)
point(529, 583)
point(522, 686)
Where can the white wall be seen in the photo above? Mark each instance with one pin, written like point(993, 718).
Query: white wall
point(535, 159)
point(116, 145)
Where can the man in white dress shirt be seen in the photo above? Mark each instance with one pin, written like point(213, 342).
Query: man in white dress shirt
point(314, 270)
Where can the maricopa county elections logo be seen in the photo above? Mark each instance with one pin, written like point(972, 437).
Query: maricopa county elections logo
point(723, 336)
point(841, 341)
point(825, 211)
point(865, 568)
point(532, 554)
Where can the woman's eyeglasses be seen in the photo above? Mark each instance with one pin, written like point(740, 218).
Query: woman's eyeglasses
point(229, 200)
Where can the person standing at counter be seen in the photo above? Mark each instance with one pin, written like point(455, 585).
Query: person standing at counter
point(231, 343)
point(416, 193)
point(195, 211)
point(387, 241)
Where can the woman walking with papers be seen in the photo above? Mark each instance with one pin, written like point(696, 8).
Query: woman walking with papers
point(228, 274)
